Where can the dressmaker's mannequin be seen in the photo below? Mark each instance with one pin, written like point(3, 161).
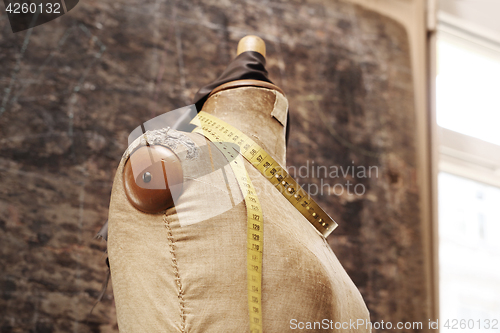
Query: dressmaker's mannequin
point(184, 269)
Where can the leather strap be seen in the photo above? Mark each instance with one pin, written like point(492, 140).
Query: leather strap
point(246, 83)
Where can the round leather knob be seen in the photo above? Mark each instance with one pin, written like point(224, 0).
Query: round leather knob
point(149, 177)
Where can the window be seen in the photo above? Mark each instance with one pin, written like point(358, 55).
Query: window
point(468, 115)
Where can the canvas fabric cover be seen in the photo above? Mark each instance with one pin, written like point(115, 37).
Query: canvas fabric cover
point(184, 269)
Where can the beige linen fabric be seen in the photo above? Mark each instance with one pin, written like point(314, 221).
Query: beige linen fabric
point(184, 270)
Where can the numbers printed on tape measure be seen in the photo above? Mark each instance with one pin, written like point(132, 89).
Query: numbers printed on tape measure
point(269, 168)
point(221, 133)
point(254, 225)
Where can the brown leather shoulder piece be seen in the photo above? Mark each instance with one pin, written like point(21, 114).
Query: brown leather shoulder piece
point(148, 177)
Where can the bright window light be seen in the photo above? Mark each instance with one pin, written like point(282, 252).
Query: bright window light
point(468, 91)
point(468, 102)
point(469, 245)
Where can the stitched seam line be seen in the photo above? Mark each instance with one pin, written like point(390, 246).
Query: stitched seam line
point(180, 291)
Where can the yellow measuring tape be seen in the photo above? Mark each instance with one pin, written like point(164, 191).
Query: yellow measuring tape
point(226, 137)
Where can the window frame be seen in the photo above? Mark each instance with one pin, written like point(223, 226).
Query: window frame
point(460, 154)
point(452, 152)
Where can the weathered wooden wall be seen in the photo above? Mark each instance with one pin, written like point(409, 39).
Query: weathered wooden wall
point(71, 91)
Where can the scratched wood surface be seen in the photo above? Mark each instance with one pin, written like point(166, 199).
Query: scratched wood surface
point(71, 91)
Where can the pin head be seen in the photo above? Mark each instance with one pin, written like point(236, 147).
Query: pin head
point(146, 177)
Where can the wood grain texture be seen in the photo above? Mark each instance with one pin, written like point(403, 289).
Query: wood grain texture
point(72, 90)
